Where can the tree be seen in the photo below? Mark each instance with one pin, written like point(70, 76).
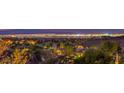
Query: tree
point(68, 50)
point(105, 54)
point(111, 49)
point(4, 45)
point(40, 55)
point(94, 56)
point(19, 56)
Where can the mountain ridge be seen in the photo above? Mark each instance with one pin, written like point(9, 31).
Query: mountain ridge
point(61, 31)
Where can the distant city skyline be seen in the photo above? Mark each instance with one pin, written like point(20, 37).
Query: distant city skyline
point(61, 31)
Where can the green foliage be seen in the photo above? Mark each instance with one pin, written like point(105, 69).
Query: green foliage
point(24, 51)
point(103, 55)
point(92, 56)
point(110, 47)
point(68, 50)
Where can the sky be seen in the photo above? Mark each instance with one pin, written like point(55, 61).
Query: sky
point(59, 31)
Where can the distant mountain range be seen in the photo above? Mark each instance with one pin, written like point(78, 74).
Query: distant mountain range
point(61, 31)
